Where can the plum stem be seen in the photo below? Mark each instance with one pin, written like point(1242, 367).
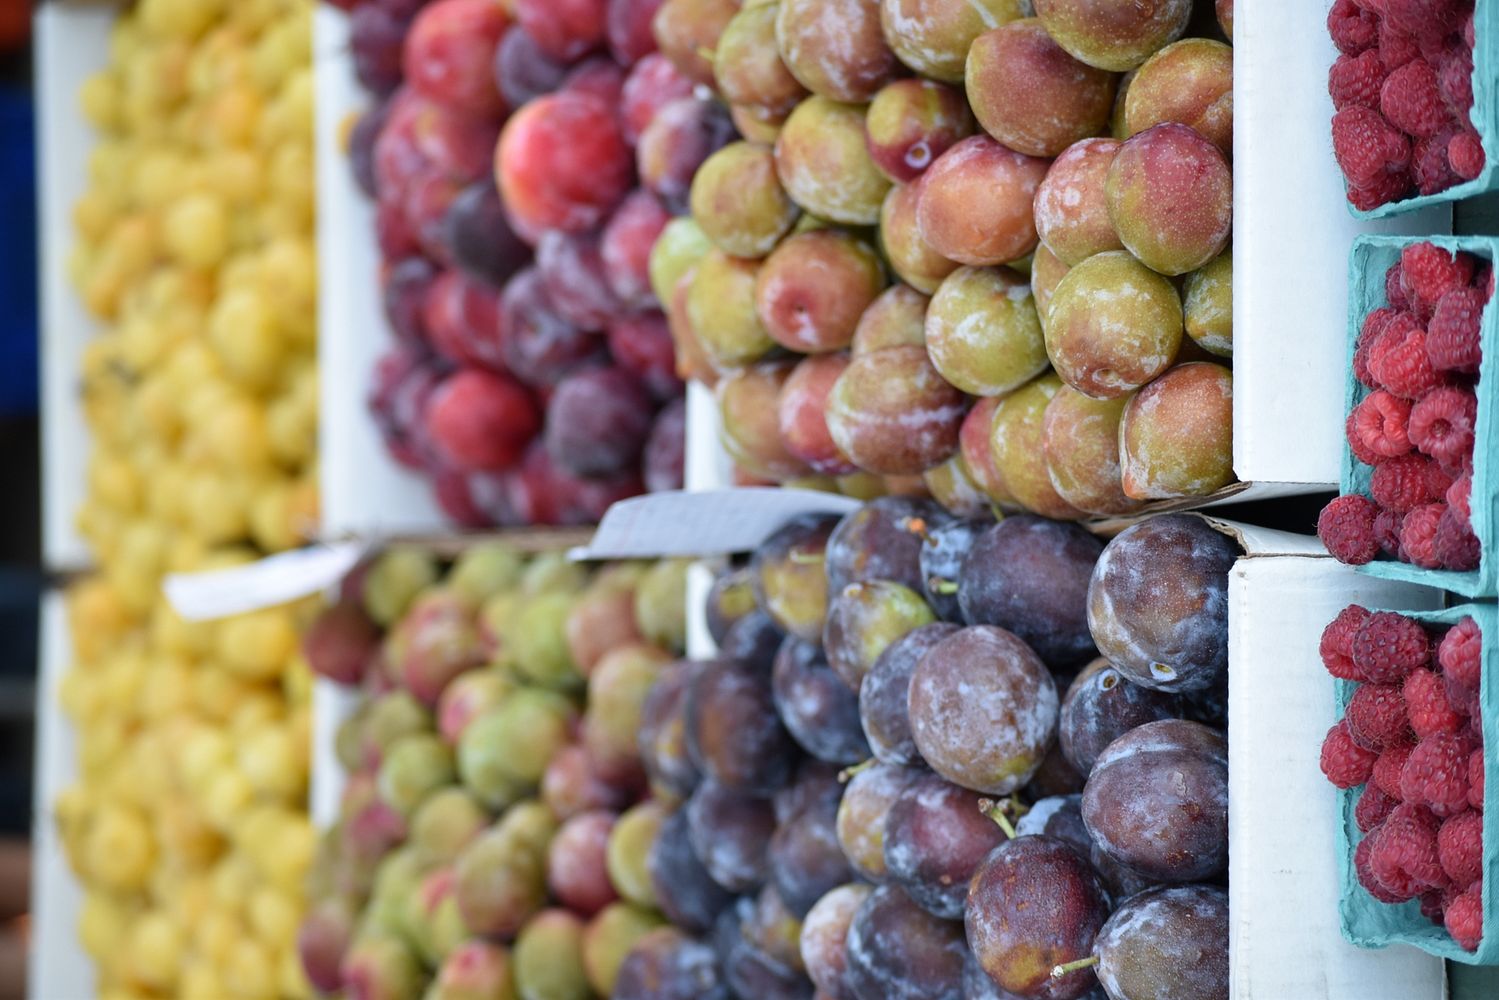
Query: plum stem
point(996, 812)
point(1058, 971)
point(937, 585)
point(847, 774)
point(917, 526)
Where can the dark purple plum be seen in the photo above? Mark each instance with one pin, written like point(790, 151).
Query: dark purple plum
point(884, 710)
point(479, 236)
point(805, 857)
point(666, 964)
point(522, 70)
point(944, 547)
point(1055, 776)
point(818, 709)
point(572, 267)
point(747, 968)
point(1100, 706)
point(597, 423)
point(1030, 576)
point(1157, 801)
point(1168, 942)
point(733, 731)
point(877, 542)
point(1059, 816)
point(540, 347)
point(731, 833)
point(898, 951)
point(685, 892)
point(935, 838)
point(753, 640)
point(663, 463)
point(815, 781)
point(663, 732)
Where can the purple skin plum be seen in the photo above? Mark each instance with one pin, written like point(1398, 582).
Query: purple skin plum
point(824, 162)
point(688, 30)
point(733, 731)
point(598, 422)
point(1059, 816)
point(1080, 441)
point(572, 266)
point(1157, 801)
point(1170, 941)
point(1111, 35)
point(1029, 94)
point(893, 413)
point(976, 204)
point(909, 255)
point(730, 833)
point(897, 318)
point(944, 546)
point(341, 642)
point(1170, 195)
point(754, 641)
point(731, 597)
point(1100, 706)
point(1030, 576)
point(898, 951)
point(1072, 213)
point(540, 347)
point(750, 421)
point(983, 709)
point(933, 37)
point(835, 47)
point(1191, 82)
point(1158, 603)
point(1114, 325)
point(1015, 433)
point(806, 859)
point(678, 139)
point(1054, 777)
point(866, 803)
point(1034, 904)
point(748, 969)
point(883, 704)
point(774, 930)
point(863, 620)
point(815, 781)
point(1176, 436)
point(880, 541)
point(824, 939)
point(738, 201)
point(666, 964)
point(663, 464)
point(791, 582)
point(983, 332)
point(663, 733)
point(748, 66)
point(802, 414)
point(935, 838)
point(685, 892)
point(911, 122)
point(480, 238)
point(814, 287)
point(978, 986)
point(819, 710)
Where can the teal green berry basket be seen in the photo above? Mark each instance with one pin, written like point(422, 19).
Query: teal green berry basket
point(1366, 921)
point(1484, 115)
point(1371, 257)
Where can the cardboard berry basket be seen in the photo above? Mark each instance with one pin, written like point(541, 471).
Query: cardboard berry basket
point(1484, 115)
point(1369, 923)
point(1371, 257)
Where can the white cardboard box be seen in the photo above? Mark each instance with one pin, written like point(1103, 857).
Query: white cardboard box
point(365, 492)
point(71, 41)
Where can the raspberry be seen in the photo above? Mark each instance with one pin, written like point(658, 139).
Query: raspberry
point(1430, 167)
point(1455, 545)
point(1429, 272)
point(1388, 646)
point(1372, 329)
point(1366, 146)
point(1345, 763)
point(1460, 653)
point(1452, 335)
point(1388, 768)
point(1346, 527)
point(1353, 30)
point(1424, 18)
point(1372, 808)
point(1394, 287)
point(1436, 775)
point(1464, 918)
point(1336, 646)
point(1464, 701)
point(1385, 188)
point(1460, 847)
point(1404, 857)
point(1438, 480)
point(1366, 874)
point(1441, 424)
point(1475, 779)
point(1465, 153)
point(1378, 422)
point(1401, 483)
point(1396, 48)
point(1411, 101)
point(1376, 716)
point(1387, 524)
point(1455, 81)
point(1356, 80)
point(1459, 494)
point(1427, 706)
point(1418, 535)
point(1400, 364)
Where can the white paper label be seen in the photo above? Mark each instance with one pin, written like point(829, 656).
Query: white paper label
point(274, 580)
point(676, 523)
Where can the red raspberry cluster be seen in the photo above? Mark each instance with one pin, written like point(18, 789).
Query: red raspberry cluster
point(1402, 88)
point(1412, 736)
point(1419, 355)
